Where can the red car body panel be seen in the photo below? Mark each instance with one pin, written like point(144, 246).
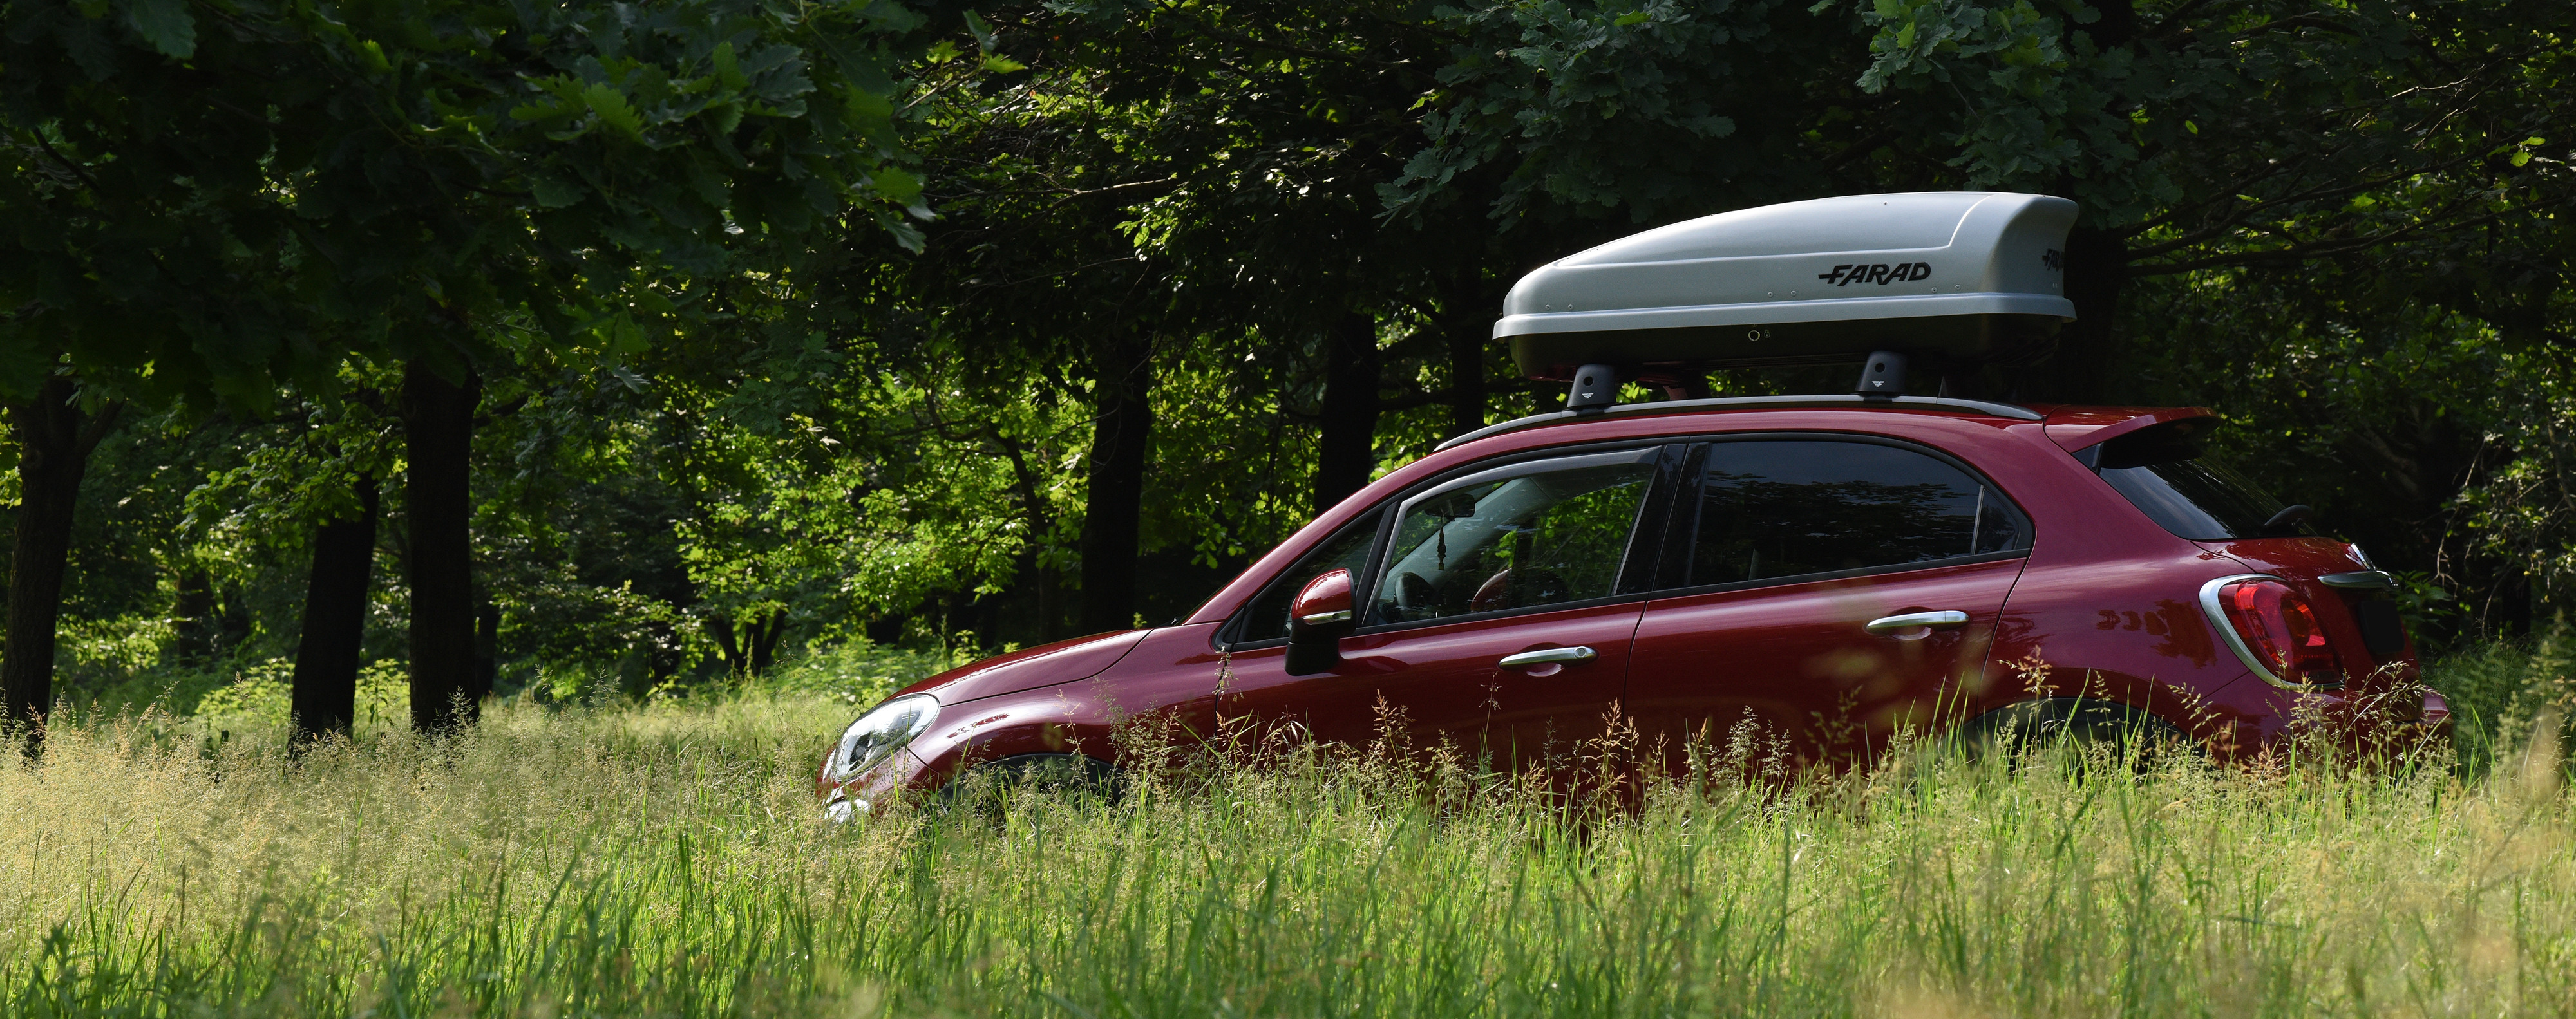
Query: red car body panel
point(1792, 660)
point(2079, 428)
point(1441, 681)
point(1045, 665)
point(2103, 604)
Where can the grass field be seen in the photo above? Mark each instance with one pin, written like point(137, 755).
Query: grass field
point(668, 860)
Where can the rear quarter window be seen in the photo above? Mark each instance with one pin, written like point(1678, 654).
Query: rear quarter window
point(2166, 472)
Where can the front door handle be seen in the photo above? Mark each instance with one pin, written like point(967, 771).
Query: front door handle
point(1545, 656)
point(1886, 625)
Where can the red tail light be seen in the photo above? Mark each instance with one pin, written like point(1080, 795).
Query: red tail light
point(2279, 629)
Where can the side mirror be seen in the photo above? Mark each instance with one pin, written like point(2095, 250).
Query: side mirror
point(1317, 619)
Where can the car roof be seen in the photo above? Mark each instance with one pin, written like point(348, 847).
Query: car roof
point(2070, 426)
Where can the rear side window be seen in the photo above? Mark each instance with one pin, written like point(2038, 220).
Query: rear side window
point(2163, 473)
point(1348, 549)
point(1778, 508)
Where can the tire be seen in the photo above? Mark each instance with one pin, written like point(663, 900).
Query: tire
point(2131, 735)
point(998, 781)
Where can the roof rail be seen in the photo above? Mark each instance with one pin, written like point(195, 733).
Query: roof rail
point(2001, 410)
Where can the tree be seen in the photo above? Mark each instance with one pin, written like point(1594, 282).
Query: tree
point(329, 645)
point(216, 199)
point(55, 435)
point(2331, 157)
point(1160, 175)
point(2190, 133)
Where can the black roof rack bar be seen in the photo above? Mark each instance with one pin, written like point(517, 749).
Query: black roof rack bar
point(2001, 410)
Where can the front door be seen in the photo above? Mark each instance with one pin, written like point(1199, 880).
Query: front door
point(1782, 632)
point(1498, 615)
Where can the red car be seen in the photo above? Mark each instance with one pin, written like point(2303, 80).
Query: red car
point(1833, 569)
point(1818, 573)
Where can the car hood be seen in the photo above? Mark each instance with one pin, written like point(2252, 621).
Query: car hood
point(1045, 665)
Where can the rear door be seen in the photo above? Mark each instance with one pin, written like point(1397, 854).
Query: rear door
point(1784, 553)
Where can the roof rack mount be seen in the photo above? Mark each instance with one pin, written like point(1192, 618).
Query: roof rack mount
point(1942, 403)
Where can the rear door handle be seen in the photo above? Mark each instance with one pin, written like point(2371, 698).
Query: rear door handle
point(1545, 656)
point(1885, 625)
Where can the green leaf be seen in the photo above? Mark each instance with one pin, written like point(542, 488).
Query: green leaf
point(728, 69)
point(613, 110)
point(868, 109)
point(167, 25)
point(1905, 37)
point(557, 192)
point(623, 336)
point(985, 38)
point(898, 185)
point(1626, 20)
point(1000, 64)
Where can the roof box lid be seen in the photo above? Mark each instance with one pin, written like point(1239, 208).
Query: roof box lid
point(1958, 276)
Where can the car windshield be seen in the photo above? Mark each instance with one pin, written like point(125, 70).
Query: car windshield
point(2163, 473)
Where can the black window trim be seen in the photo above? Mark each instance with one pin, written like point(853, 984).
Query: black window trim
point(1660, 488)
point(1222, 639)
point(1364, 588)
point(1676, 538)
point(1865, 571)
point(1679, 535)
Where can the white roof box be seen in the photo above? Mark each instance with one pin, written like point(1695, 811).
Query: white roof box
point(1963, 277)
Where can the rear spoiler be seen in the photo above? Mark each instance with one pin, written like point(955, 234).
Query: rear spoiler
point(2083, 429)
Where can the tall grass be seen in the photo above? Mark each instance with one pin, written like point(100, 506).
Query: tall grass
point(669, 860)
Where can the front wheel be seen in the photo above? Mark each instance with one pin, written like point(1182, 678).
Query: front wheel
point(1000, 780)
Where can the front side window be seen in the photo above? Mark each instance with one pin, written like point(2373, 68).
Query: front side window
point(1528, 535)
point(1778, 508)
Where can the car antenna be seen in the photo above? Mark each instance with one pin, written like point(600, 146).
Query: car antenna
point(1883, 378)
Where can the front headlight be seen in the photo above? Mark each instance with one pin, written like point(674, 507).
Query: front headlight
point(881, 732)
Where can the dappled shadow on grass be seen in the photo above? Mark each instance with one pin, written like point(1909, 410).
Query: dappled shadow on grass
point(670, 860)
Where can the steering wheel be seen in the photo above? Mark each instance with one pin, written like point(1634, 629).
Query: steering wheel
point(1417, 594)
point(1514, 588)
point(1543, 587)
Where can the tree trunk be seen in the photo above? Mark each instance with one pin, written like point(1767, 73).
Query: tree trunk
point(730, 643)
point(54, 442)
point(1467, 343)
point(1114, 500)
point(764, 642)
point(2097, 269)
point(1346, 453)
point(193, 615)
point(438, 437)
point(1033, 504)
point(324, 692)
point(749, 645)
point(487, 648)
